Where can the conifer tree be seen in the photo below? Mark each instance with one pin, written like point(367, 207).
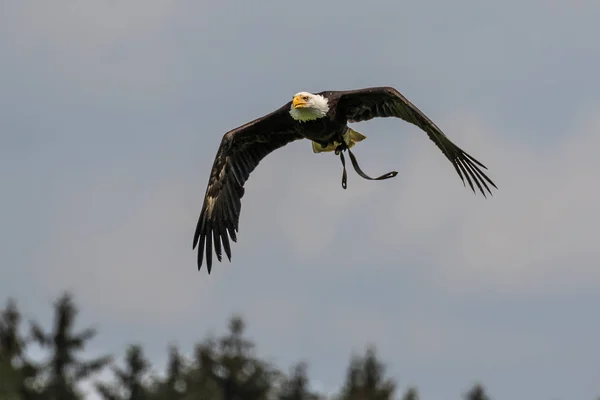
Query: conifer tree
point(63, 370)
point(229, 365)
point(174, 386)
point(130, 380)
point(365, 379)
point(296, 386)
point(477, 393)
point(15, 369)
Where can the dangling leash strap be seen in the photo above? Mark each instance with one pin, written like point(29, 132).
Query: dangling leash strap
point(360, 171)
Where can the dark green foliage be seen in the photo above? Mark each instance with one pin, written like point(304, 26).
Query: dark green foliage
point(175, 385)
point(365, 379)
point(233, 367)
point(10, 381)
point(200, 379)
point(15, 370)
point(63, 371)
point(11, 348)
point(295, 387)
point(11, 343)
point(222, 368)
point(130, 385)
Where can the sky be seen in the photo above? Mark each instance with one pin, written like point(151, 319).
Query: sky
point(110, 117)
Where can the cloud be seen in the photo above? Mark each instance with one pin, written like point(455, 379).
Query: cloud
point(535, 235)
point(104, 52)
point(112, 113)
point(542, 238)
point(128, 231)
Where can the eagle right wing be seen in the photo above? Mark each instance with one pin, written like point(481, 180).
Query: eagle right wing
point(382, 102)
point(241, 150)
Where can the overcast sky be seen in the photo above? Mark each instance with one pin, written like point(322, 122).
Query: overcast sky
point(110, 117)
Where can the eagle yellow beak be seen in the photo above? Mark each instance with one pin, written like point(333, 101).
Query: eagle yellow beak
point(297, 102)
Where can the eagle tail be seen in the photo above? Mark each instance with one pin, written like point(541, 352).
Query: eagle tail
point(351, 137)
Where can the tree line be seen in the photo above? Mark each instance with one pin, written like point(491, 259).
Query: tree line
point(221, 368)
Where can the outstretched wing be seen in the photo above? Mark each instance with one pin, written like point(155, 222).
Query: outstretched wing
point(381, 102)
point(239, 153)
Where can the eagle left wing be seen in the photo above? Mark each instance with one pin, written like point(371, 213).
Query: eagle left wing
point(240, 152)
point(381, 102)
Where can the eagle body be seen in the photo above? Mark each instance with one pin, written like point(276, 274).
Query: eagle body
point(324, 131)
point(323, 119)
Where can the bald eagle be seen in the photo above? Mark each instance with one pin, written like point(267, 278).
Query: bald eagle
point(321, 118)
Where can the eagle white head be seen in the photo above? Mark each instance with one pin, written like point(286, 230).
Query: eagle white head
point(308, 107)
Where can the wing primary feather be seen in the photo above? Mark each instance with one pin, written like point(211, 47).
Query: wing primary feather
point(231, 231)
point(199, 227)
point(226, 245)
point(455, 165)
point(217, 241)
point(201, 250)
point(466, 174)
point(230, 209)
point(209, 246)
point(469, 167)
point(474, 160)
point(217, 233)
point(474, 165)
point(481, 172)
point(477, 172)
point(222, 223)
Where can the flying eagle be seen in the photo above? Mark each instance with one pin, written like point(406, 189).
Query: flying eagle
point(321, 118)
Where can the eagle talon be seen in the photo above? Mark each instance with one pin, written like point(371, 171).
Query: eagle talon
point(340, 148)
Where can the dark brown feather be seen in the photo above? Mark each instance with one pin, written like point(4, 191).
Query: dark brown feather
point(241, 150)
point(382, 102)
